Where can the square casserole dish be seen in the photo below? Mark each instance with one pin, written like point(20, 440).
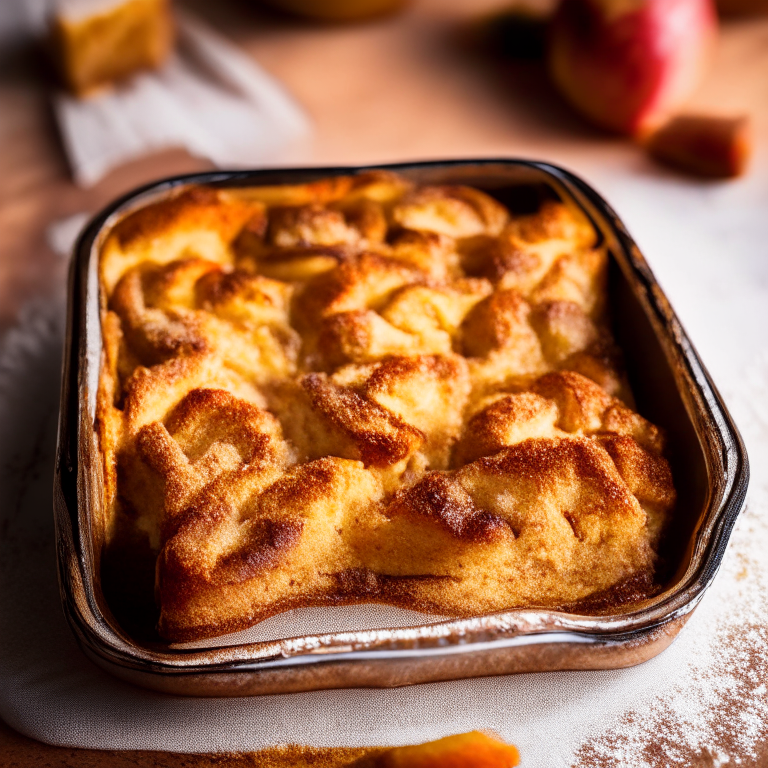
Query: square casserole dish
point(670, 384)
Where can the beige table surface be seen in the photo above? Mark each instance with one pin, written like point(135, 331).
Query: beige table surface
point(400, 88)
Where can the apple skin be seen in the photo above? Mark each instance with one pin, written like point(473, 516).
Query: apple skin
point(626, 64)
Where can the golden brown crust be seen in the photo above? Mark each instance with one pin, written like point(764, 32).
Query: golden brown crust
point(454, 211)
point(357, 390)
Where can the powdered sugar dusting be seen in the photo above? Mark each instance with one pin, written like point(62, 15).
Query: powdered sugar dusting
point(716, 712)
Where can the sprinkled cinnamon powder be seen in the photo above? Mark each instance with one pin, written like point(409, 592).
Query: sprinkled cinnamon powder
point(716, 714)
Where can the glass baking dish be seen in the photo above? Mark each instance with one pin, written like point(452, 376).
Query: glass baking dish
point(671, 386)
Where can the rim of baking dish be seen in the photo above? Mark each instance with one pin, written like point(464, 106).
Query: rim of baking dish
point(724, 454)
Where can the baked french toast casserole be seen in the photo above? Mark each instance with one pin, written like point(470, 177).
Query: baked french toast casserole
point(366, 390)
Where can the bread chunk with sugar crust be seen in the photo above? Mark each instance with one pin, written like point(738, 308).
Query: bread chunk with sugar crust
point(520, 527)
point(364, 390)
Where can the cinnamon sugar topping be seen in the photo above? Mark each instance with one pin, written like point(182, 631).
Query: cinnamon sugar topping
point(361, 390)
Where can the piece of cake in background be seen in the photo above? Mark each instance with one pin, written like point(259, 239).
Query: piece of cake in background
point(98, 42)
point(210, 98)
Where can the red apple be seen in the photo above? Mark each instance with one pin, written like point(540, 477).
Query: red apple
point(625, 64)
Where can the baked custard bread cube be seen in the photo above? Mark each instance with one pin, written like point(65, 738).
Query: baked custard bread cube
point(365, 390)
point(98, 42)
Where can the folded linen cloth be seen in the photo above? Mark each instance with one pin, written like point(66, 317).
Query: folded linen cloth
point(701, 702)
point(209, 98)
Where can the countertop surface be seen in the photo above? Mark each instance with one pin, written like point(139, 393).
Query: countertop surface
point(411, 87)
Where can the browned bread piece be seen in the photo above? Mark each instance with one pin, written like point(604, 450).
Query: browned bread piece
point(360, 390)
point(98, 42)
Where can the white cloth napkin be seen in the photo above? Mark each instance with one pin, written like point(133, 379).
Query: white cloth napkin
point(702, 699)
point(210, 98)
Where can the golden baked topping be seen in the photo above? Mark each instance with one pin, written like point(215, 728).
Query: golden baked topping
point(360, 390)
point(453, 211)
